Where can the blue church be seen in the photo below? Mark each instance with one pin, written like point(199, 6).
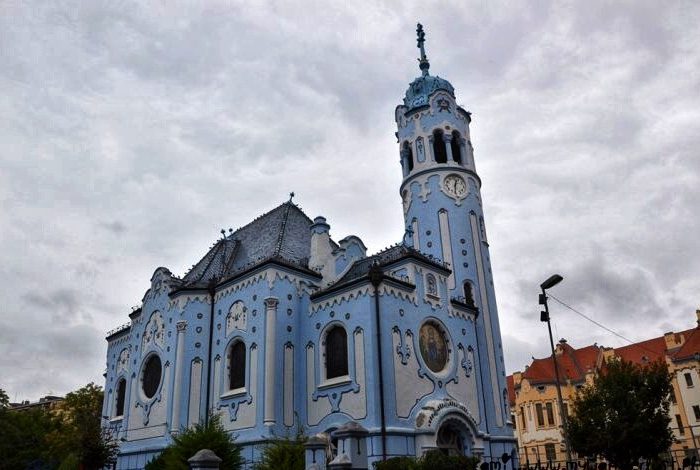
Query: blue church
point(279, 325)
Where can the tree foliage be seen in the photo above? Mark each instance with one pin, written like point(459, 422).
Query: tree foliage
point(78, 434)
point(623, 416)
point(283, 453)
point(211, 436)
point(22, 438)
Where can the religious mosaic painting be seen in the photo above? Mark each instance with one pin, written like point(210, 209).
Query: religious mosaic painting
point(433, 347)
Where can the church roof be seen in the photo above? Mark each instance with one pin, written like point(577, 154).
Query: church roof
point(281, 234)
point(361, 268)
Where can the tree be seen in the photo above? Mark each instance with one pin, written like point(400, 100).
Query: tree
point(79, 435)
point(623, 416)
point(283, 453)
point(211, 436)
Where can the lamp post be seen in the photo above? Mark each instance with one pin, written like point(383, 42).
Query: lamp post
point(552, 281)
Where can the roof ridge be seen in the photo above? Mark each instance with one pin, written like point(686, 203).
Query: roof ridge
point(280, 235)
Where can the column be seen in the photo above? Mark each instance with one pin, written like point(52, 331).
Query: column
point(447, 138)
point(177, 392)
point(270, 337)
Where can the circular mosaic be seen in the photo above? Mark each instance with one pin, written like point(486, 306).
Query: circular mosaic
point(433, 347)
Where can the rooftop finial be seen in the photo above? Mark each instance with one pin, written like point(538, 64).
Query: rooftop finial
point(423, 61)
point(291, 196)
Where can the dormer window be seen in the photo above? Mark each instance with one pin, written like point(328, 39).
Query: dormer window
point(439, 149)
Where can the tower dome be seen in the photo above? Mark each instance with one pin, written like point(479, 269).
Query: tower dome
point(422, 87)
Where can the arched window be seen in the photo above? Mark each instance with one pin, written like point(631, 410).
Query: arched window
point(469, 293)
point(408, 154)
point(456, 145)
point(121, 395)
point(439, 149)
point(336, 352)
point(236, 364)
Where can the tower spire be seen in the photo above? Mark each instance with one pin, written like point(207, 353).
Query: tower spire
point(423, 61)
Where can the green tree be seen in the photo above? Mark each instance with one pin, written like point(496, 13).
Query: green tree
point(78, 434)
point(623, 416)
point(211, 436)
point(283, 454)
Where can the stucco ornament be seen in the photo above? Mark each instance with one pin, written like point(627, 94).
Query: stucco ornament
point(236, 318)
point(154, 333)
point(123, 361)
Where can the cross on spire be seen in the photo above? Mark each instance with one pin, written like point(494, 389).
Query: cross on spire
point(423, 61)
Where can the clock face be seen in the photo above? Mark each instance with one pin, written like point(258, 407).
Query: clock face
point(455, 186)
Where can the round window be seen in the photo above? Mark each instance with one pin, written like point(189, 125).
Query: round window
point(151, 376)
point(433, 347)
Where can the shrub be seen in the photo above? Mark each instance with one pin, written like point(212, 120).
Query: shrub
point(210, 436)
point(432, 460)
point(284, 453)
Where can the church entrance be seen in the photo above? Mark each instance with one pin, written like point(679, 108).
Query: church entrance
point(451, 439)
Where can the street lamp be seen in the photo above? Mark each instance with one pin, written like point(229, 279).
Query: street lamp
point(552, 281)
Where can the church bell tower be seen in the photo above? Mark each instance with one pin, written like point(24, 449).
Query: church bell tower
point(444, 215)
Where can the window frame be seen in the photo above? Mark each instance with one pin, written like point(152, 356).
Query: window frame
point(241, 375)
point(344, 374)
point(142, 376)
point(120, 396)
point(539, 414)
point(550, 413)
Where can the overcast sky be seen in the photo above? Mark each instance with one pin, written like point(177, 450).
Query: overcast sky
point(130, 134)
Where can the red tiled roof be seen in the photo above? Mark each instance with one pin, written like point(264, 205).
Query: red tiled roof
point(511, 390)
point(691, 345)
point(643, 352)
point(573, 364)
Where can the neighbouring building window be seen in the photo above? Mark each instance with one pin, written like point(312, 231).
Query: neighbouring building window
point(688, 379)
point(121, 394)
point(522, 416)
point(151, 376)
point(679, 422)
point(696, 411)
point(565, 410)
point(540, 414)
point(550, 452)
point(550, 413)
point(672, 396)
point(236, 361)
point(336, 352)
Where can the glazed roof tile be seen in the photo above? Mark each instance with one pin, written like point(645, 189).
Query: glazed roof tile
point(282, 233)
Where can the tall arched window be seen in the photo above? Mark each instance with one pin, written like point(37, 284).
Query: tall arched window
point(456, 145)
point(121, 395)
point(408, 155)
point(336, 352)
point(439, 149)
point(236, 364)
point(469, 293)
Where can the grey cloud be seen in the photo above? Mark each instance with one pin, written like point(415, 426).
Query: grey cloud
point(161, 125)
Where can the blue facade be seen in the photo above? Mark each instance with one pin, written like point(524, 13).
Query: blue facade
point(251, 332)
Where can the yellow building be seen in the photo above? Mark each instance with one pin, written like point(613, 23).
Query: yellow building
point(533, 395)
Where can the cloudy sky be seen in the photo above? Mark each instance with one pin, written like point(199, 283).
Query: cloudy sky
point(132, 132)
